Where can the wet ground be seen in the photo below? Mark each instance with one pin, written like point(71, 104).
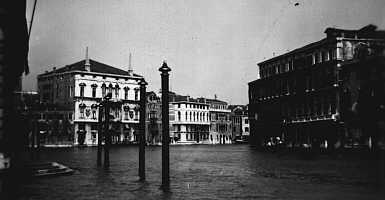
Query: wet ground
point(207, 172)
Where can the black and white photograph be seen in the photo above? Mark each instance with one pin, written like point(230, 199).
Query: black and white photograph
point(192, 99)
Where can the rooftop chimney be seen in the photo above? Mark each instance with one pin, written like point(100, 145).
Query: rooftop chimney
point(87, 65)
point(130, 70)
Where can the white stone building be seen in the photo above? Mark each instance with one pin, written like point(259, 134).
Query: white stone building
point(78, 88)
point(191, 123)
point(199, 121)
point(220, 121)
point(245, 126)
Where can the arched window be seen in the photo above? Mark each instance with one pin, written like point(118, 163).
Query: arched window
point(117, 88)
point(126, 89)
point(185, 116)
point(82, 85)
point(190, 116)
point(82, 107)
point(178, 115)
point(94, 107)
point(110, 88)
point(103, 90)
point(94, 86)
point(126, 112)
point(136, 94)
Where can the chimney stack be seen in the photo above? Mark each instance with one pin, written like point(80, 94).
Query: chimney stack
point(87, 64)
point(130, 70)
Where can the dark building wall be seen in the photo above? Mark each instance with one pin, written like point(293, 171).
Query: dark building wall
point(303, 94)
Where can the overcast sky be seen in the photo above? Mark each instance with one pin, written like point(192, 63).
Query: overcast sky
point(212, 46)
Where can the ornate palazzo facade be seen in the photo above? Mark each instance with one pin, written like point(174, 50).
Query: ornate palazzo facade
point(77, 90)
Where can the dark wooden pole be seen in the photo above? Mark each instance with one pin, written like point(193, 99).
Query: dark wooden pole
point(107, 134)
point(142, 122)
point(33, 136)
point(165, 128)
point(100, 137)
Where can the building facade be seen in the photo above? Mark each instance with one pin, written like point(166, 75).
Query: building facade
point(153, 118)
point(240, 127)
point(76, 90)
point(190, 124)
point(311, 95)
point(220, 122)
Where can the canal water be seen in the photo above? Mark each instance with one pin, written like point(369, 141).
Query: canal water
point(207, 172)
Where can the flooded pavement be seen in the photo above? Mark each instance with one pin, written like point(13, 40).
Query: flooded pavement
point(207, 172)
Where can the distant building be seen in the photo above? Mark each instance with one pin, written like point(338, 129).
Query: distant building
point(153, 118)
point(240, 127)
point(325, 92)
point(190, 124)
point(220, 122)
point(76, 90)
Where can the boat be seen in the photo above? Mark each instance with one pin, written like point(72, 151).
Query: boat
point(49, 169)
point(241, 140)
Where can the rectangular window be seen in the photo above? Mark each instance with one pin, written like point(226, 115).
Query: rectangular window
point(334, 54)
point(117, 93)
point(82, 127)
point(136, 95)
point(57, 90)
point(126, 94)
point(314, 59)
point(81, 113)
point(339, 53)
point(93, 92)
point(94, 127)
point(103, 91)
point(82, 91)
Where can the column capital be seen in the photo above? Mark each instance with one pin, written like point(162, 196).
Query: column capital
point(143, 83)
point(164, 68)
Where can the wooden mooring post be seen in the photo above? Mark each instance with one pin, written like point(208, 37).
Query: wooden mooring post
point(165, 127)
point(142, 133)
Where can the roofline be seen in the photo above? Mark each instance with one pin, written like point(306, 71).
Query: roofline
point(188, 102)
point(299, 50)
point(90, 73)
point(326, 40)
